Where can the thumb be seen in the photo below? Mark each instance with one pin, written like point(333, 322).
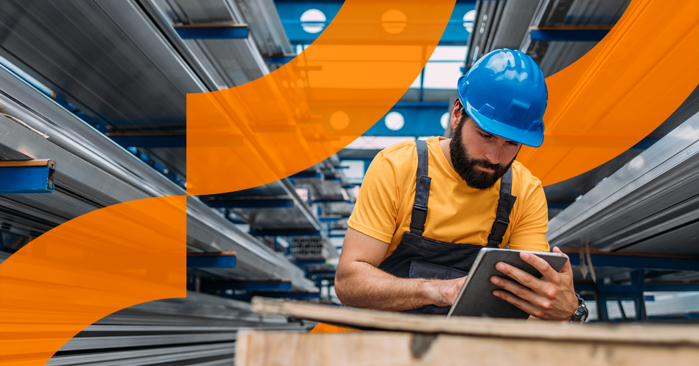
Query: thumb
point(567, 268)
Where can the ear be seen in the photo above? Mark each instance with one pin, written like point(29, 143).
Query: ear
point(456, 115)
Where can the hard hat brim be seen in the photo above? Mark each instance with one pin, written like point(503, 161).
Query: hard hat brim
point(533, 138)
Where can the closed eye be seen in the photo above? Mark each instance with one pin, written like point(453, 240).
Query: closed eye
point(488, 137)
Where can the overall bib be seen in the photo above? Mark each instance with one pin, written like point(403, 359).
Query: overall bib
point(419, 257)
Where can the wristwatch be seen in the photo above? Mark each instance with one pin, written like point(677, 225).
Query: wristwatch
point(580, 315)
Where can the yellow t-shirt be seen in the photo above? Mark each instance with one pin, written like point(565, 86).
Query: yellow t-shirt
point(456, 212)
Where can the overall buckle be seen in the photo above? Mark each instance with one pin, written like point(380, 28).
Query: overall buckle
point(501, 221)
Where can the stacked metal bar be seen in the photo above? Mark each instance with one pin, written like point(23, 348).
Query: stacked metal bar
point(197, 330)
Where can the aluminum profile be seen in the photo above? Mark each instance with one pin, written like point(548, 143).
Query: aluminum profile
point(649, 205)
point(96, 172)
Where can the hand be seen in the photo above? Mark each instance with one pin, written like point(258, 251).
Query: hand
point(550, 298)
point(444, 292)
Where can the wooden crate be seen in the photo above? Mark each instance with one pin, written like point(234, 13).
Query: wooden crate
point(428, 340)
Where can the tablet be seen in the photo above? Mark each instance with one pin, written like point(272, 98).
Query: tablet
point(476, 296)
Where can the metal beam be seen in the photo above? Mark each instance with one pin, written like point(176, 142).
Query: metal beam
point(307, 175)
point(646, 143)
point(300, 204)
point(331, 200)
point(211, 260)
point(27, 176)
point(672, 287)
point(665, 287)
point(307, 262)
point(289, 295)
point(278, 59)
point(285, 232)
point(638, 261)
point(282, 285)
point(420, 119)
point(332, 218)
point(542, 34)
point(212, 201)
point(149, 139)
point(212, 31)
point(300, 32)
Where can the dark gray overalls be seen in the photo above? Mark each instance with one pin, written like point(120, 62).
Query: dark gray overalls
point(419, 257)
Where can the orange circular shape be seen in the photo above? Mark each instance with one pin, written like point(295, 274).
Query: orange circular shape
point(339, 120)
point(394, 21)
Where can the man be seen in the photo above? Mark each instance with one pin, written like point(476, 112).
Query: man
point(426, 208)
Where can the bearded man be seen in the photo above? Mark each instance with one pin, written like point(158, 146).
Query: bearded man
point(426, 208)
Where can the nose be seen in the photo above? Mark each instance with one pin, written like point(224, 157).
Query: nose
point(494, 153)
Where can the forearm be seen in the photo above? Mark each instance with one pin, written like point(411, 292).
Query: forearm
point(365, 286)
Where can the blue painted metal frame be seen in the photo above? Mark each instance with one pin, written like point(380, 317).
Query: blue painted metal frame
point(420, 119)
point(279, 59)
point(285, 232)
point(647, 298)
point(149, 140)
point(307, 175)
point(639, 262)
point(27, 179)
point(233, 31)
point(567, 35)
point(211, 261)
point(669, 287)
point(634, 292)
point(302, 263)
point(247, 286)
point(291, 11)
point(252, 203)
point(332, 219)
point(278, 295)
point(672, 287)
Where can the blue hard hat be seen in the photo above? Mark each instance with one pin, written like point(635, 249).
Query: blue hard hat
point(505, 94)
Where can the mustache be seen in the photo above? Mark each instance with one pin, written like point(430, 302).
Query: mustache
point(487, 165)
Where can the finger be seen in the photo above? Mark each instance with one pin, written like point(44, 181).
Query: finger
point(567, 268)
point(520, 303)
point(515, 289)
point(541, 265)
point(518, 275)
point(460, 282)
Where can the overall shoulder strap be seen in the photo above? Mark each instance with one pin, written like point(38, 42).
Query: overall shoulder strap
point(505, 204)
point(422, 189)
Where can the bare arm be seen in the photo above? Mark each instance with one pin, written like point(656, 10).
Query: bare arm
point(360, 283)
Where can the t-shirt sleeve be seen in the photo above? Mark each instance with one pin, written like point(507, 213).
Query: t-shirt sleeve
point(533, 223)
point(376, 208)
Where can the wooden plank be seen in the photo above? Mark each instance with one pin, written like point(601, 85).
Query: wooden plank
point(483, 327)
point(259, 348)
point(22, 163)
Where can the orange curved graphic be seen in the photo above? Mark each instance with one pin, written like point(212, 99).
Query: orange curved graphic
point(87, 268)
point(302, 113)
point(620, 91)
point(318, 103)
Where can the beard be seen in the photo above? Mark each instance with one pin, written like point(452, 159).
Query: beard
point(466, 166)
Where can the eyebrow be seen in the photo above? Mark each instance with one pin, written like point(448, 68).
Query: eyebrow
point(488, 133)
